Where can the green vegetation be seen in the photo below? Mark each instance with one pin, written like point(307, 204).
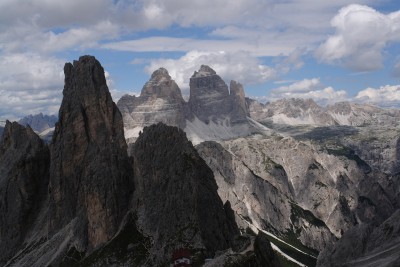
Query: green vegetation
point(298, 212)
point(128, 246)
point(270, 165)
point(363, 199)
point(314, 166)
point(295, 254)
point(349, 154)
point(320, 184)
point(285, 262)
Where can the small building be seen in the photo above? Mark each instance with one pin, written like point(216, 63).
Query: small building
point(181, 258)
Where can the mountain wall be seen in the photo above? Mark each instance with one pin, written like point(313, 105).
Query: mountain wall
point(90, 173)
point(213, 112)
point(24, 177)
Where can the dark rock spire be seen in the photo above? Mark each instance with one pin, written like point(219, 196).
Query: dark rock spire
point(90, 170)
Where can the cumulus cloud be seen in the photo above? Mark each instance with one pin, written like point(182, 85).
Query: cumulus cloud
point(361, 35)
point(239, 66)
point(309, 88)
point(300, 86)
point(386, 96)
point(30, 83)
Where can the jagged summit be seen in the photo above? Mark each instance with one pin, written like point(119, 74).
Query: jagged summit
point(24, 177)
point(204, 71)
point(161, 72)
point(161, 85)
point(90, 170)
point(188, 202)
point(39, 122)
point(160, 101)
point(213, 112)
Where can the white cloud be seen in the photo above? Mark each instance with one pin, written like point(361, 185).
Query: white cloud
point(300, 86)
point(309, 88)
point(361, 35)
point(171, 44)
point(240, 66)
point(22, 38)
point(29, 84)
point(385, 96)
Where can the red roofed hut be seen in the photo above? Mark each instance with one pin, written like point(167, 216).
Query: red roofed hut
point(181, 258)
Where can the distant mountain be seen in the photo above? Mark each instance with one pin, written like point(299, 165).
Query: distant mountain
point(39, 122)
point(213, 112)
point(298, 111)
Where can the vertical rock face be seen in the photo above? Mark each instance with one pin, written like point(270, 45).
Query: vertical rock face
point(240, 108)
point(90, 171)
point(160, 101)
point(209, 95)
point(23, 184)
point(176, 196)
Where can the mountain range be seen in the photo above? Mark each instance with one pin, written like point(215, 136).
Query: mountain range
point(286, 183)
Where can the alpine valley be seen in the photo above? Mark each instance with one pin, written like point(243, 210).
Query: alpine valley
point(229, 180)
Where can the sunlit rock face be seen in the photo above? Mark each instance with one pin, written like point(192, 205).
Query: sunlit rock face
point(213, 112)
point(160, 101)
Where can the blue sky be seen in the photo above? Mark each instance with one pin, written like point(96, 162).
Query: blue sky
point(327, 50)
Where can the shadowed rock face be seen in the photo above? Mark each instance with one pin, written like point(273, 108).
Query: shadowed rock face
point(176, 195)
point(240, 108)
point(373, 244)
point(209, 95)
point(90, 171)
point(23, 184)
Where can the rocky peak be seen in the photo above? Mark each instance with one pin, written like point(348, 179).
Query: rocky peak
point(209, 95)
point(39, 122)
point(160, 101)
point(204, 71)
point(240, 107)
point(90, 170)
point(161, 85)
point(160, 73)
point(176, 195)
point(23, 184)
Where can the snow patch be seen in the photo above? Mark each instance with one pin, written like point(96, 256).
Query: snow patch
point(342, 119)
point(274, 247)
point(197, 131)
point(47, 131)
point(283, 119)
point(132, 133)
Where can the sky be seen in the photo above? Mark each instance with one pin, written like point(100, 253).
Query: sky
point(330, 51)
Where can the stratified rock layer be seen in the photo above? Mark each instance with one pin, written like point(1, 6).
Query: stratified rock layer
point(160, 101)
point(90, 172)
point(23, 184)
point(209, 95)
